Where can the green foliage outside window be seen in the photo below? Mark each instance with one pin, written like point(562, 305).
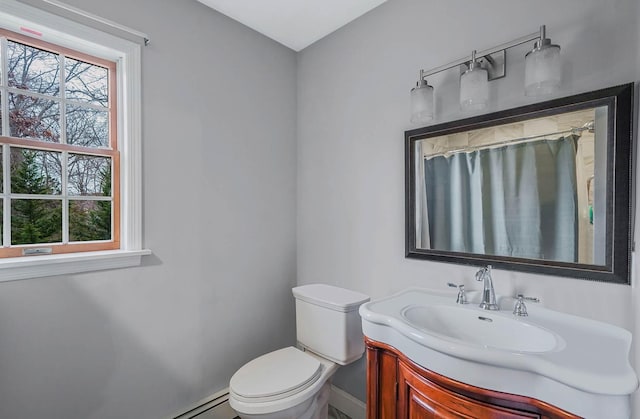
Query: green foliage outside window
point(34, 220)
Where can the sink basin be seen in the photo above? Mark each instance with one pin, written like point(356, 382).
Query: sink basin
point(485, 329)
point(578, 364)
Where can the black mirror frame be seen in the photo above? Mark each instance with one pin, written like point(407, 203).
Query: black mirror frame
point(619, 226)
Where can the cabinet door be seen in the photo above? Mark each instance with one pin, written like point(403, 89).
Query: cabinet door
point(381, 384)
point(419, 398)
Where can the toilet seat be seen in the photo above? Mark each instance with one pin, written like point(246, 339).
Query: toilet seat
point(288, 361)
point(275, 375)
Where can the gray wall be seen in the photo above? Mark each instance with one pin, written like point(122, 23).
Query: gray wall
point(147, 342)
point(219, 214)
point(353, 107)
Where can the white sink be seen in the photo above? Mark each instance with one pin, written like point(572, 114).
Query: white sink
point(479, 328)
point(577, 364)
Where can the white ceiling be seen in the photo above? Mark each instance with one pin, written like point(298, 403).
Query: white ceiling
point(294, 23)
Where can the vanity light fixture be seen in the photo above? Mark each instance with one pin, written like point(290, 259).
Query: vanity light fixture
point(542, 75)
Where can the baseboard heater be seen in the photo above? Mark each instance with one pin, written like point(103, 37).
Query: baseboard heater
point(215, 407)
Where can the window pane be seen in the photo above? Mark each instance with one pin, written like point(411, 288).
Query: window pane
point(34, 117)
point(36, 221)
point(87, 127)
point(89, 220)
point(86, 82)
point(33, 69)
point(89, 175)
point(35, 172)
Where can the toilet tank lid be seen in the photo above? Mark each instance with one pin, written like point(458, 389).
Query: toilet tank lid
point(335, 298)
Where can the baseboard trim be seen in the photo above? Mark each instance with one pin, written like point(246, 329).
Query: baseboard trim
point(205, 404)
point(347, 404)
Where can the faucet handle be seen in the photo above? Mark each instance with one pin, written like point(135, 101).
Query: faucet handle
point(532, 299)
point(520, 309)
point(462, 295)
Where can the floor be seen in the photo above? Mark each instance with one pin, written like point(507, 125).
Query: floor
point(225, 412)
point(336, 414)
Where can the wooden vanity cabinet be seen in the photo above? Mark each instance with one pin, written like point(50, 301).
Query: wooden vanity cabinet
point(397, 388)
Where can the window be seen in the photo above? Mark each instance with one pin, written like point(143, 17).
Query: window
point(70, 144)
point(59, 149)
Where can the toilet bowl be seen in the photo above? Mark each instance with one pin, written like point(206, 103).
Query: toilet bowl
point(284, 384)
point(294, 383)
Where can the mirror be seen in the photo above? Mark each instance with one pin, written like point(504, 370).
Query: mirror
point(542, 188)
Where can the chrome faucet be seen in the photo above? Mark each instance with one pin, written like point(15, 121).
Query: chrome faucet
point(488, 294)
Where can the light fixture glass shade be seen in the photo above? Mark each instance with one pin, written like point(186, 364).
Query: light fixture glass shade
point(421, 103)
point(542, 70)
point(474, 88)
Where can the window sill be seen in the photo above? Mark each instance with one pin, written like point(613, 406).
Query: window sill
point(12, 269)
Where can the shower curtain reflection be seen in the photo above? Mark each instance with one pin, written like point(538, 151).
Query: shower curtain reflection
point(518, 200)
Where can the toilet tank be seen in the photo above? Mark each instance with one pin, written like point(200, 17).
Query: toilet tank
point(328, 323)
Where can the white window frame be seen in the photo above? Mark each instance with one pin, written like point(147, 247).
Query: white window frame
point(15, 16)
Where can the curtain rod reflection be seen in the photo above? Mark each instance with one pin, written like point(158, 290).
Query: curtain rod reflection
point(575, 131)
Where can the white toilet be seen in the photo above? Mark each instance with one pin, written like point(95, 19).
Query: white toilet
point(293, 383)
